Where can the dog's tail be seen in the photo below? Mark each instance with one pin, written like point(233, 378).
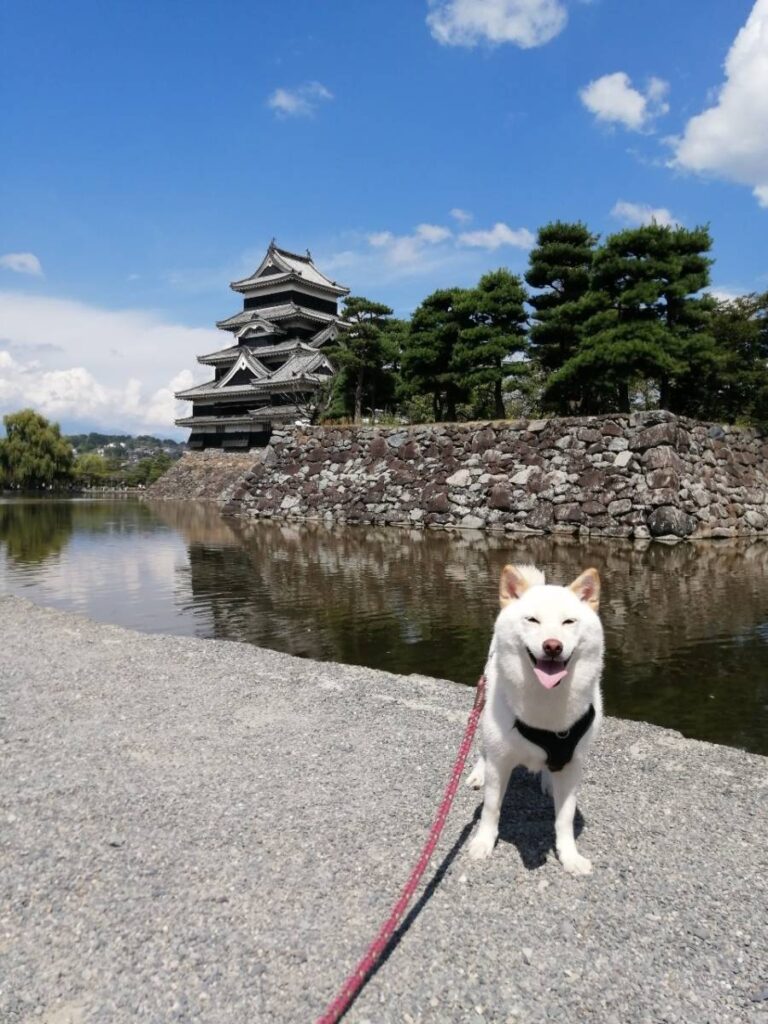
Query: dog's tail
point(533, 577)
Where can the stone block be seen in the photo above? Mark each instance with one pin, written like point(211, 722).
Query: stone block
point(378, 447)
point(501, 498)
point(662, 457)
point(569, 513)
point(439, 503)
point(521, 477)
point(483, 440)
point(662, 433)
point(619, 507)
point(754, 519)
point(542, 516)
point(460, 478)
point(668, 521)
point(663, 478)
point(611, 429)
point(588, 435)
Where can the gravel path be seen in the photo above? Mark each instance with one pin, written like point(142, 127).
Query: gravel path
point(195, 830)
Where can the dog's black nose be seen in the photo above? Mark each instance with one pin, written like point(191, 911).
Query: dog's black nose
point(552, 648)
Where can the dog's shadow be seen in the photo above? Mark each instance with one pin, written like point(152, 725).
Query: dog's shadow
point(528, 819)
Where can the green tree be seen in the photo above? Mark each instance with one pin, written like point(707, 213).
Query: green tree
point(361, 353)
point(737, 389)
point(648, 327)
point(146, 471)
point(91, 469)
point(428, 366)
point(492, 333)
point(560, 266)
point(33, 454)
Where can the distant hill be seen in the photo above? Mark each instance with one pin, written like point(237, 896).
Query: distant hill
point(125, 444)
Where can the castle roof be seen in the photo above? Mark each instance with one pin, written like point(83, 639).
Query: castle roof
point(279, 266)
point(304, 366)
point(261, 414)
point(224, 355)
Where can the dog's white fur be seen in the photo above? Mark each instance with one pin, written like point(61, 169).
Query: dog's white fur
point(533, 612)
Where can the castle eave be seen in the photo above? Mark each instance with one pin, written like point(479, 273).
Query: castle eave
point(287, 311)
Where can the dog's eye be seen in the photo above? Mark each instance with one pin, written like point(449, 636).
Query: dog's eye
point(530, 618)
point(568, 622)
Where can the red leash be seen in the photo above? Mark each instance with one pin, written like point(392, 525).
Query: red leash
point(357, 978)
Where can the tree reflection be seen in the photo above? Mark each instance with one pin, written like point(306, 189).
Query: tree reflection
point(35, 531)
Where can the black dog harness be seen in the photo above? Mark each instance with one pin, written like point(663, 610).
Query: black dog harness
point(558, 746)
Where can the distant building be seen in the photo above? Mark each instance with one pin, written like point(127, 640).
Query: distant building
point(272, 372)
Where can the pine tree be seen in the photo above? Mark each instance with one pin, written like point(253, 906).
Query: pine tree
point(647, 325)
point(361, 351)
point(738, 388)
point(491, 334)
point(560, 266)
point(428, 353)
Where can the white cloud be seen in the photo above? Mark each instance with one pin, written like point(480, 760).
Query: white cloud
point(641, 213)
point(500, 234)
point(408, 250)
point(433, 233)
point(614, 100)
point(302, 101)
point(431, 252)
point(431, 244)
point(526, 23)
point(730, 139)
point(726, 294)
point(22, 263)
point(461, 216)
point(112, 369)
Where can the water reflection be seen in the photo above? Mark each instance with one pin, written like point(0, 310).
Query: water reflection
point(35, 531)
point(109, 559)
point(686, 625)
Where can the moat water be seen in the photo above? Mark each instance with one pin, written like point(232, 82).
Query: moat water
point(686, 625)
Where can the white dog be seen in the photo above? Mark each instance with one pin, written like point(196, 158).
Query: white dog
point(543, 704)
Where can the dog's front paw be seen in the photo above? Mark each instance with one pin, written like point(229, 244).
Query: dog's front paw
point(575, 864)
point(482, 845)
point(476, 778)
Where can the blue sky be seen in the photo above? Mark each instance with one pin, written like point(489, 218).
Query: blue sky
point(150, 150)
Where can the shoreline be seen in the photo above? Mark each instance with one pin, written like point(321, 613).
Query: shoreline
point(202, 830)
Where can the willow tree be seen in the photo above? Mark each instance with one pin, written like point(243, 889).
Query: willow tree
point(33, 454)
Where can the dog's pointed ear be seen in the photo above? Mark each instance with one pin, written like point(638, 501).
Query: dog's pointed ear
point(512, 585)
point(587, 588)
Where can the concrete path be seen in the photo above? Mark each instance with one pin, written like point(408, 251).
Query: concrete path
point(201, 831)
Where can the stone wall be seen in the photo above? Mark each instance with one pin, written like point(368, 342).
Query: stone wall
point(644, 475)
point(206, 476)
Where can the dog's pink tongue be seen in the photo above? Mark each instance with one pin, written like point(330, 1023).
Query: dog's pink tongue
point(548, 672)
